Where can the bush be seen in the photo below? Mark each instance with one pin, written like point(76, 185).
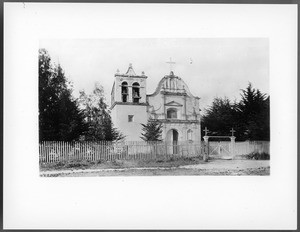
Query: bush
point(178, 159)
point(59, 164)
point(77, 164)
point(117, 162)
point(258, 156)
point(54, 166)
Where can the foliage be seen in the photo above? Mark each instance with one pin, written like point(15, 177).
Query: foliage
point(253, 114)
point(97, 117)
point(250, 117)
point(258, 156)
point(152, 130)
point(218, 118)
point(59, 116)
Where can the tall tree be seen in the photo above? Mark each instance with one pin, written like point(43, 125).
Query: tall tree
point(253, 114)
point(59, 115)
point(152, 131)
point(250, 117)
point(46, 97)
point(97, 116)
point(219, 117)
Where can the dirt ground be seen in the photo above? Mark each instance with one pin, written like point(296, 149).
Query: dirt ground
point(211, 168)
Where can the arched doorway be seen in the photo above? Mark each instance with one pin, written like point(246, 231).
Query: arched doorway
point(172, 139)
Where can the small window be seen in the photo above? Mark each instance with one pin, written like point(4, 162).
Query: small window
point(190, 135)
point(130, 118)
point(172, 113)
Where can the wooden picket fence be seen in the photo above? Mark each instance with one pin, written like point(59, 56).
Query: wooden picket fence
point(238, 148)
point(247, 147)
point(59, 151)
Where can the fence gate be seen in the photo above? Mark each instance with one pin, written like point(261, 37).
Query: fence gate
point(219, 149)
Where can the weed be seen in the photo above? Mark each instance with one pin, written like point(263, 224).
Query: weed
point(258, 156)
point(117, 163)
point(77, 164)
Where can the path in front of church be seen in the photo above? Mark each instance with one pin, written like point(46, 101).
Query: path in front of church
point(213, 168)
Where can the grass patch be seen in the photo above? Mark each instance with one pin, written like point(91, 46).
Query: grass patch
point(265, 171)
point(66, 165)
point(115, 164)
point(254, 156)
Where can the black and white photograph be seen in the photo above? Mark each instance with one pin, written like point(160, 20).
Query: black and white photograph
point(124, 107)
point(150, 116)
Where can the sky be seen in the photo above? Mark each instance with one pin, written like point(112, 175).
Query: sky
point(211, 67)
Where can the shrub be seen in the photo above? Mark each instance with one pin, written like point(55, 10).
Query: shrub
point(117, 162)
point(258, 156)
point(57, 165)
point(77, 164)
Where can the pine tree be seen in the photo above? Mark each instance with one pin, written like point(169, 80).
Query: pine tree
point(254, 114)
point(46, 97)
point(250, 117)
point(152, 130)
point(219, 117)
point(59, 116)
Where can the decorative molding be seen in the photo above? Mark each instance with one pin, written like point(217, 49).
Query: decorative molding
point(173, 93)
point(160, 86)
point(130, 76)
point(128, 104)
point(178, 121)
point(173, 103)
point(140, 87)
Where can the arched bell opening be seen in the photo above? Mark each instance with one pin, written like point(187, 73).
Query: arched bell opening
point(136, 92)
point(124, 91)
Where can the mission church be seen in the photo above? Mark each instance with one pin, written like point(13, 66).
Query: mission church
point(172, 104)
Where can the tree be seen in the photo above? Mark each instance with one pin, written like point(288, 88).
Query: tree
point(152, 130)
point(219, 117)
point(111, 133)
point(97, 116)
point(253, 114)
point(250, 117)
point(46, 96)
point(59, 116)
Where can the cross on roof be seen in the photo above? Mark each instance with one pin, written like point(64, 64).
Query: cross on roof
point(205, 130)
point(232, 131)
point(171, 62)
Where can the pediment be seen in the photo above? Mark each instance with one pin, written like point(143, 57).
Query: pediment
point(173, 103)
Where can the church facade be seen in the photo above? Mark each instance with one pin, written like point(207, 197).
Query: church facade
point(172, 104)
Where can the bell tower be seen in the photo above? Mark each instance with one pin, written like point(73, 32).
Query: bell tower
point(128, 103)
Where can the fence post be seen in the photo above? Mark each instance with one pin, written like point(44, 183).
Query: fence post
point(232, 145)
point(205, 155)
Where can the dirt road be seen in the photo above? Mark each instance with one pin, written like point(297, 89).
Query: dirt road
point(231, 164)
point(213, 167)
